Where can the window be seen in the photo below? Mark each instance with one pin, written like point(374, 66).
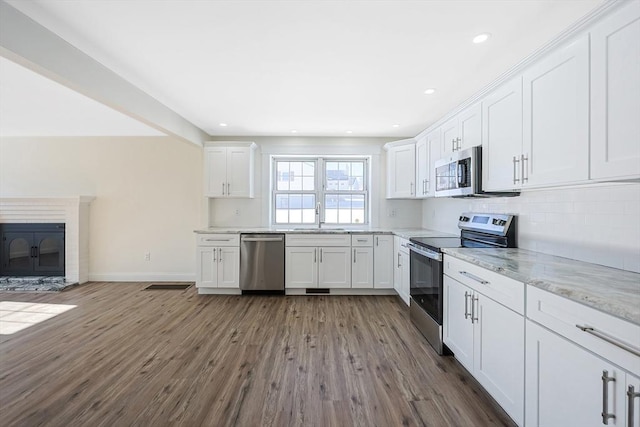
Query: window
point(307, 191)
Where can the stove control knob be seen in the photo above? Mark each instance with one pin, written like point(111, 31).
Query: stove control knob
point(496, 221)
point(463, 218)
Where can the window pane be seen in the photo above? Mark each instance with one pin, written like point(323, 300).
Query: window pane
point(295, 209)
point(295, 216)
point(282, 216)
point(282, 175)
point(308, 169)
point(344, 176)
point(308, 183)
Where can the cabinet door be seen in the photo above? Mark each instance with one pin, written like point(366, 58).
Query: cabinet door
point(630, 406)
point(434, 143)
point(228, 267)
point(498, 355)
point(301, 267)
point(470, 127)
point(239, 172)
point(422, 167)
point(17, 253)
point(207, 267)
point(362, 267)
point(50, 252)
point(401, 173)
point(457, 326)
point(449, 136)
point(334, 269)
point(215, 171)
point(502, 137)
point(383, 261)
point(564, 383)
point(556, 116)
point(615, 95)
point(405, 285)
point(397, 266)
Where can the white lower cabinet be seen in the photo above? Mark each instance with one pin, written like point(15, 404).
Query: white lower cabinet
point(383, 261)
point(362, 268)
point(334, 268)
point(317, 267)
point(486, 337)
point(570, 386)
point(218, 261)
point(401, 268)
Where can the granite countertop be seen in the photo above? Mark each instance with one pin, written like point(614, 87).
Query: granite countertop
point(406, 233)
point(612, 291)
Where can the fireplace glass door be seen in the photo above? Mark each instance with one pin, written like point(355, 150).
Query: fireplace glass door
point(32, 250)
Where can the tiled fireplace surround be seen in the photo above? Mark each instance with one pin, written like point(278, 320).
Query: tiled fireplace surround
point(72, 211)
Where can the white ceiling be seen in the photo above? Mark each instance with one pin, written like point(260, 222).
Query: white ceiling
point(319, 67)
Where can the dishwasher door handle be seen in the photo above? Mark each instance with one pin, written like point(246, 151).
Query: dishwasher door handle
point(262, 239)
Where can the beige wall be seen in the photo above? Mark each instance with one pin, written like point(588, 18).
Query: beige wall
point(148, 197)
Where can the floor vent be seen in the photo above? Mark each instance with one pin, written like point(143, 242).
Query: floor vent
point(168, 286)
point(318, 290)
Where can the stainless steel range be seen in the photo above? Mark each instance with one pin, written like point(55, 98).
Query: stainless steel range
point(477, 231)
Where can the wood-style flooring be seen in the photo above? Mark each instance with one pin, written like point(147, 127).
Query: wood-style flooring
point(129, 357)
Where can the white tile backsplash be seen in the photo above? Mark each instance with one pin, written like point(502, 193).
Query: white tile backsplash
point(599, 224)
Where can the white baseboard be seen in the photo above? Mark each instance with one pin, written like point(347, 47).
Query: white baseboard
point(142, 277)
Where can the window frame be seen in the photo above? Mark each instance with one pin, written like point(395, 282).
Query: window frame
point(320, 191)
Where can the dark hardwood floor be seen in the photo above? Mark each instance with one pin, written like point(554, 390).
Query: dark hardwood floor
point(125, 356)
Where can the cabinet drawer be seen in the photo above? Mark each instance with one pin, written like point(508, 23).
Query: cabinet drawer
point(361, 240)
point(218, 239)
point(499, 288)
point(562, 315)
point(319, 239)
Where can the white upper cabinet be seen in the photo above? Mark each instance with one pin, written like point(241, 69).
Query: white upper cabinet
point(462, 131)
point(615, 95)
point(422, 167)
point(434, 142)
point(401, 169)
point(556, 117)
point(229, 170)
point(502, 137)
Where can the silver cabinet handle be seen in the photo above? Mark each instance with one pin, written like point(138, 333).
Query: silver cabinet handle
point(377, 241)
point(515, 176)
point(215, 256)
point(320, 254)
point(411, 189)
point(228, 188)
point(315, 256)
point(399, 260)
point(453, 144)
point(466, 304)
point(474, 317)
point(606, 379)
point(217, 240)
point(474, 277)
point(631, 395)
point(458, 143)
point(354, 256)
point(525, 176)
point(220, 255)
point(609, 339)
point(223, 188)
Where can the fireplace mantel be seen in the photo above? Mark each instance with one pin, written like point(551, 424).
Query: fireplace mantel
point(72, 211)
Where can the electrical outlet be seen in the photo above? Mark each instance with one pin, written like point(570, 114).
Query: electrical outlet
point(237, 212)
point(147, 256)
point(392, 213)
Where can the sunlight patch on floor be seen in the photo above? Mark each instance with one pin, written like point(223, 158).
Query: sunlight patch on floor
point(16, 316)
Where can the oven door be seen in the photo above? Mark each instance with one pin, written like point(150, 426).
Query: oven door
point(426, 281)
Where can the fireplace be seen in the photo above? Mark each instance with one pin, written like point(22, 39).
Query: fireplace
point(32, 249)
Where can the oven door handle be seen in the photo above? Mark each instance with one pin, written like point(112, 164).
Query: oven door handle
point(429, 254)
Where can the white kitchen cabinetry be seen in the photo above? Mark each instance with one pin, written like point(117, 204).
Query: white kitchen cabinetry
point(574, 372)
point(556, 117)
point(462, 131)
point(401, 173)
point(401, 270)
point(308, 265)
point(502, 137)
point(362, 274)
point(383, 261)
point(615, 95)
point(229, 170)
point(428, 150)
point(484, 327)
point(218, 261)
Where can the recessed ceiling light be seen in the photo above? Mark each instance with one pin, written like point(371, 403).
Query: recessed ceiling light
point(430, 91)
point(396, 125)
point(223, 124)
point(293, 131)
point(481, 38)
point(349, 131)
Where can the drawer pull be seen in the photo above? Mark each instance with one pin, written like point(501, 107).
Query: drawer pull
point(605, 397)
point(362, 240)
point(473, 277)
point(609, 339)
point(631, 396)
point(466, 304)
point(218, 240)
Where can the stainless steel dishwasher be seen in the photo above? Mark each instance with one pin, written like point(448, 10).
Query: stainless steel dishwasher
point(262, 263)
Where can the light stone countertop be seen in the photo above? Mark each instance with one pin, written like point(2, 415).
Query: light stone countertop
point(406, 233)
point(612, 291)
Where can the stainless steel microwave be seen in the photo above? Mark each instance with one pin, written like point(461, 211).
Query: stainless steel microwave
point(460, 175)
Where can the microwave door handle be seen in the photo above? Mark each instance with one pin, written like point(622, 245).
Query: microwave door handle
point(461, 178)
